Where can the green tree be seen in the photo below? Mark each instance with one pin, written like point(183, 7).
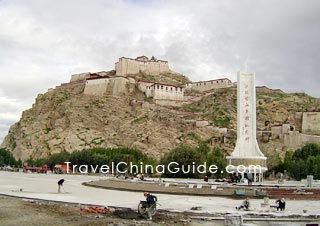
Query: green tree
point(6, 158)
point(184, 157)
point(58, 158)
point(304, 161)
point(216, 157)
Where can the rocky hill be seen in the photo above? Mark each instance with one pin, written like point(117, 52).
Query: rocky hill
point(66, 119)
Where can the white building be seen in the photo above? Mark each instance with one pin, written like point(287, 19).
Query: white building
point(160, 91)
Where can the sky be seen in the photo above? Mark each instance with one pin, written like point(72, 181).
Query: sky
point(44, 42)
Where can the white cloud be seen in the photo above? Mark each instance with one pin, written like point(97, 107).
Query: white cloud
point(43, 42)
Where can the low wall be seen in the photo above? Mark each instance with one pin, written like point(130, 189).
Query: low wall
point(295, 140)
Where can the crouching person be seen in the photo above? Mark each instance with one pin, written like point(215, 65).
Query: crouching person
point(245, 205)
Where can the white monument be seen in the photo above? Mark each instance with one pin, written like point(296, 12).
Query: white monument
point(247, 151)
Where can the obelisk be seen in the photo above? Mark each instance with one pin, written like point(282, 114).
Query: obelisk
point(247, 151)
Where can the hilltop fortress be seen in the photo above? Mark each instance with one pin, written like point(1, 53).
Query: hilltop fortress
point(125, 76)
point(127, 66)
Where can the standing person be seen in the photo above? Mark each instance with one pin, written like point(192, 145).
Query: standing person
point(151, 203)
point(250, 178)
point(60, 183)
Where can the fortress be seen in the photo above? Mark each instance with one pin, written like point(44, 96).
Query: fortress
point(124, 78)
point(127, 66)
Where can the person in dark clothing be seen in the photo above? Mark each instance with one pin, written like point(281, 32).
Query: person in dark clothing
point(151, 201)
point(60, 183)
point(281, 204)
point(250, 178)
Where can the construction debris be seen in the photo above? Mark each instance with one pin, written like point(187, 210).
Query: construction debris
point(96, 209)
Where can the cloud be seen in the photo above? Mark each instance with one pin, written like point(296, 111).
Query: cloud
point(43, 42)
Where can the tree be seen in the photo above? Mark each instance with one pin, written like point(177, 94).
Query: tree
point(58, 158)
point(304, 161)
point(216, 157)
point(6, 158)
point(185, 157)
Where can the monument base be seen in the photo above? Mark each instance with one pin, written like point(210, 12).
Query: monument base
point(236, 161)
point(257, 166)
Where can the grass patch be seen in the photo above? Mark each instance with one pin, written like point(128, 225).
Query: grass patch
point(139, 119)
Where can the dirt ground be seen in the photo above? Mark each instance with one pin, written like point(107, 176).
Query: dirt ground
point(30, 212)
point(19, 211)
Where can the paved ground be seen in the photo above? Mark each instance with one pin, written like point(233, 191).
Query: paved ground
point(45, 187)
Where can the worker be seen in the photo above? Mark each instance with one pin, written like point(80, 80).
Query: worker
point(60, 183)
point(151, 204)
point(245, 205)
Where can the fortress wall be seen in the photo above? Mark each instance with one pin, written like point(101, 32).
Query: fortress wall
point(311, 123)
point(150, 68)
point(118, 86)
point(154, 68)
point(143, 86)
point(164, 66)
point(118, 68)
point(295, 140)
point(131, 67)
point(208, 85)
point(127, 66)
point(112, 86)
point(96, 87)
point(79, 77)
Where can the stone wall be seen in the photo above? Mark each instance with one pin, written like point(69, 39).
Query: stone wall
point(97, 87)
point(277, 131)
point(143, 85)
point(118, 86)
point(311, 123)
point(208, 85)
point(79, 77)
point(294, 140)
point(113, 86)
point(127, 66)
